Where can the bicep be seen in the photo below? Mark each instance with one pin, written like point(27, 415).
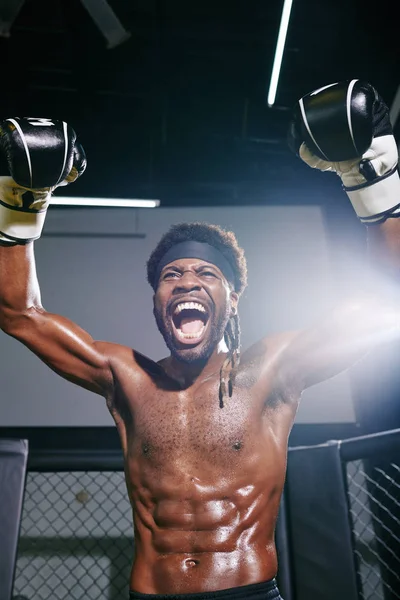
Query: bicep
point(337, 342)
point(66, 349)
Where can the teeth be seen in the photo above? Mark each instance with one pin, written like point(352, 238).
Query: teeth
point(189, 306)
point(189, 336)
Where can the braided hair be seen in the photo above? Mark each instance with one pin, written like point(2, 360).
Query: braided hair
point(226, 243)
point(231, 363)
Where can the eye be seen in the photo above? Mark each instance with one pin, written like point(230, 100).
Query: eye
point(170, 275)
point(208, 274)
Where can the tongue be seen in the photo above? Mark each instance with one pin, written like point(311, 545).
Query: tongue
point(190, 325)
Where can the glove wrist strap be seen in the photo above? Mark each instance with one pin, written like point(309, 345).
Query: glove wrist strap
point(375, 203)
point(20, 226)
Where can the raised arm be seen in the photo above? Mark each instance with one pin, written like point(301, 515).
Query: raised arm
point(39, 164)
point(330, 128)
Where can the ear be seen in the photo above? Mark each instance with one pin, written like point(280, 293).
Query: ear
point(234, 303)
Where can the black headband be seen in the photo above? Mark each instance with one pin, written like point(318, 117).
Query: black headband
point(202, 250)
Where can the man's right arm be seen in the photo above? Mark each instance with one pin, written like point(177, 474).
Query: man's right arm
point(41, 154)
point(63, 346)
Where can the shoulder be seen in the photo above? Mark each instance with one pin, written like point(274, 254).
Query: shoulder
point(122, 357)
point(267, 359)
point(112, 351)
point(132, 375)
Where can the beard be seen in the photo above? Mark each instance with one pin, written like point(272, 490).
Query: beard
point(196, 354)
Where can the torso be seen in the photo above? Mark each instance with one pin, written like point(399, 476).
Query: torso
point(204, 481)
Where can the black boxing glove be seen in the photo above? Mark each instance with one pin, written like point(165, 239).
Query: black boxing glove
point(41, 154)
point(345, 128)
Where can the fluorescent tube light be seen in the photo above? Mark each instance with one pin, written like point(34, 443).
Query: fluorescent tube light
point(111, 202)
point(9, 10)
point(107, 21)
point(280, 46)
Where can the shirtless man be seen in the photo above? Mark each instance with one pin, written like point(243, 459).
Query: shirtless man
point(204, 432)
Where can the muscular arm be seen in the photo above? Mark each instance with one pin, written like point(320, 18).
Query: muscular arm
point(368, 169)
point(356, 326)
point(61, 344)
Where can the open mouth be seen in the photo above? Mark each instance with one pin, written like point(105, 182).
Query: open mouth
point(190, 321)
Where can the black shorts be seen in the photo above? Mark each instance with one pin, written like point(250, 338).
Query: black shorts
point(267, 590)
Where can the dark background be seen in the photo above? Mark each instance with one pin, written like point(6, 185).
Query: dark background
point(178, 112)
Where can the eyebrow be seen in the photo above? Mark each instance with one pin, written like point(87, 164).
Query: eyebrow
point(198, 268)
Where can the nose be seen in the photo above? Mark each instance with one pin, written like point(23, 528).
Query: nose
point(187, 282)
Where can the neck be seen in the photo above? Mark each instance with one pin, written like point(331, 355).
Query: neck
point(187, 373)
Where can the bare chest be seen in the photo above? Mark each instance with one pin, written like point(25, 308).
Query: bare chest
point(187, 429)
point(192, 427)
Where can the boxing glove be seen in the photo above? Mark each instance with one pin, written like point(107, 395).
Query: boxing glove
point(41, 155)
point(345, 128)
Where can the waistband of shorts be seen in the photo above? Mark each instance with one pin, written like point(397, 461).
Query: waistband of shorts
point(266, 590)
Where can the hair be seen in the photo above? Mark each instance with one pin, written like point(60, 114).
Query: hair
point(226, 243)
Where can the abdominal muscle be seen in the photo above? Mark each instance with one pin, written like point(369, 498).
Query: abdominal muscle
point(202, 544)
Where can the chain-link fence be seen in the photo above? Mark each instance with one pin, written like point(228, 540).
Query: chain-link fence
point(374, 501)
point(344, 518)
point(76, 539)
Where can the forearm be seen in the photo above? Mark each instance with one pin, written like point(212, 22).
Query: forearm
point(54, 158)
point(19, 288)
point(338, 340)
point(384, 248)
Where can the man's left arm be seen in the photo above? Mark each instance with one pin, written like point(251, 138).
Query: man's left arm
point(330, 127)
point(336, 342)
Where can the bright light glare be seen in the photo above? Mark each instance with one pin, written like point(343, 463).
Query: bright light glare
point(111, 202)
point(280, 46)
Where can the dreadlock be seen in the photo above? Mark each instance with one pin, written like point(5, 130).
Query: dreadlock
point(231, 363)
point(226, 243)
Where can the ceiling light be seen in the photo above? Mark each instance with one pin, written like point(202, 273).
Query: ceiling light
point(9, 10)
point(110, 202)
point(107, 22)
point(280, 46)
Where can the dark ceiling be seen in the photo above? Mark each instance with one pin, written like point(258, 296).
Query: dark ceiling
point(178, 111)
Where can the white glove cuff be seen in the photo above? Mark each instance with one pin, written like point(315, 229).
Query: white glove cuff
point(20, 226)
point(375, 203)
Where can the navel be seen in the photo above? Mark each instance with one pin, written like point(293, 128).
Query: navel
point(191, 562)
